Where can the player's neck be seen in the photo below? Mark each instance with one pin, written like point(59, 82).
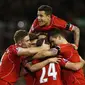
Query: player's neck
point(65, 42)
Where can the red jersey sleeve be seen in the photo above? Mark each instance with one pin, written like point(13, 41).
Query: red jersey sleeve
point(63, 62)
point(55, 23)
point(61, 24)
point(13, 49)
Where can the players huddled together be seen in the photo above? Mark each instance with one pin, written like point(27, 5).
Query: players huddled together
point(43, 56)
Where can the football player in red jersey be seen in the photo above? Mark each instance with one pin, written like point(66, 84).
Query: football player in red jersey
point(43, 63)
point(29, 68)
point(46, 22)
point(47, 75)
point(10, 61)
point(26, 72)
point(68, 52)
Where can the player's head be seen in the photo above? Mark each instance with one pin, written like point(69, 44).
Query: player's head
point(42, 37)
point(22, 38)
point(33, 39)
point(44, 15)
point(58, 38)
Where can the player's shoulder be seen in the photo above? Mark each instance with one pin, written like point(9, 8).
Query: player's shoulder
point(63, 45)
point(56, 20)
point(35, 22)
point(13, 47)
point(55, 17)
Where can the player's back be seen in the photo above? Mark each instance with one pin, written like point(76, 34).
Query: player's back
point(29, 79)
point(48, 75)
point(70, 77)
point(68, 52)
point(28, 75)
point(10, 64)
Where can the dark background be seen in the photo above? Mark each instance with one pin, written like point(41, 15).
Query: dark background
point(19, 14)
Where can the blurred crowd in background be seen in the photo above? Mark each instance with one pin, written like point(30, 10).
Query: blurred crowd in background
point(19, 14)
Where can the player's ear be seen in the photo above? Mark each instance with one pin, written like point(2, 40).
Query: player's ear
point(20, 43)
point(49, 17)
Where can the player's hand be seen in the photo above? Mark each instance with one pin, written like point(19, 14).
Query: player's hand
point(45, 46)
point(54, 60)
point(75, 46)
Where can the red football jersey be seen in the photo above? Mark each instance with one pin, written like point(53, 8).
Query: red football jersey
point(48, 75)
point(70, 77)
point(2, 82)
point(29, 79)
point(28, 75)
point(10, 64)
point(55, 23)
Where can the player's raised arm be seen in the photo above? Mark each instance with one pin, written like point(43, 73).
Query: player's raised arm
point(76, 31)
